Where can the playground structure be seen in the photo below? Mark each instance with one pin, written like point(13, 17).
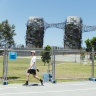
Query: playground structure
point(73, 28)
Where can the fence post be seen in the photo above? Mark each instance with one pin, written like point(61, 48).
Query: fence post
point(5, 63)
point(54, 63)
point(6, 60)
point(92, 62)
point(75, 58)
point(53, 66)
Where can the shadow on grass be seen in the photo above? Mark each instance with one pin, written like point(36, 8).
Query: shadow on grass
point(9, 78)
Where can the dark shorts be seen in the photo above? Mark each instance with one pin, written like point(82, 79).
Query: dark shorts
point(32, 71)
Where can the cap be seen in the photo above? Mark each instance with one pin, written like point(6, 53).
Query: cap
point(32, 51)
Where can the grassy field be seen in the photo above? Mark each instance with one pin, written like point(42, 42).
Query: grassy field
point(64, 70)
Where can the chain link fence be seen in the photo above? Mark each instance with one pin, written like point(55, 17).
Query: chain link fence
point(73, 65)
point(64, 64)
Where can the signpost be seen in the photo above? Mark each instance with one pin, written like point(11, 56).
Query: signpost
point(12, 55)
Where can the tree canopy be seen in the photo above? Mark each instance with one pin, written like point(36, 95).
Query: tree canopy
point(7, 32)
point(90, 43)
point(45, 55)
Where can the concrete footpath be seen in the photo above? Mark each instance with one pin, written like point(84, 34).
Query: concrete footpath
point(71, 88)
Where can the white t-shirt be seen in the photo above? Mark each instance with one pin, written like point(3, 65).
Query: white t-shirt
point(33, 60)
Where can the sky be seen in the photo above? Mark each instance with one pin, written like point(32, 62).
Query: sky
point(52, 11)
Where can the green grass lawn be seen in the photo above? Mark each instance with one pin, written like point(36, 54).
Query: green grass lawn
point(16, 69)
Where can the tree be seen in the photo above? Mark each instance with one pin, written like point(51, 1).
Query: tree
point(93, 43)
point(8, 32)
point(88, 45)
point(46, 56)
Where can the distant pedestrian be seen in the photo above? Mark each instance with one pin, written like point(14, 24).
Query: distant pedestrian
point(32, 69)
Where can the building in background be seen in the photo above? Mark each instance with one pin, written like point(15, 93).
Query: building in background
point(73, 33)
point(35, 32)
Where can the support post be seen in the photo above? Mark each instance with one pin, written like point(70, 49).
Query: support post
point(5, 65)
point(75, 57)
point(53, 78)
point(92, 77)
point(6, 60)
point(92, 62)
point(52, 62)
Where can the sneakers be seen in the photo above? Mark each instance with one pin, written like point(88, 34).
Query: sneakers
point(41, 81)
point(25, 83)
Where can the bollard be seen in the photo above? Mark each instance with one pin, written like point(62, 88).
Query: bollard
point(5, 82)
point(53, 81)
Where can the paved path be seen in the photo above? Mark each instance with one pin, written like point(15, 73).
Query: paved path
point(74, 88)
point(69, 58)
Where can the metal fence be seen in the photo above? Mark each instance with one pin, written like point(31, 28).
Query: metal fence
point(64, 64)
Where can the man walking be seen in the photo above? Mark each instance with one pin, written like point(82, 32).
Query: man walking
point(32, 69)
